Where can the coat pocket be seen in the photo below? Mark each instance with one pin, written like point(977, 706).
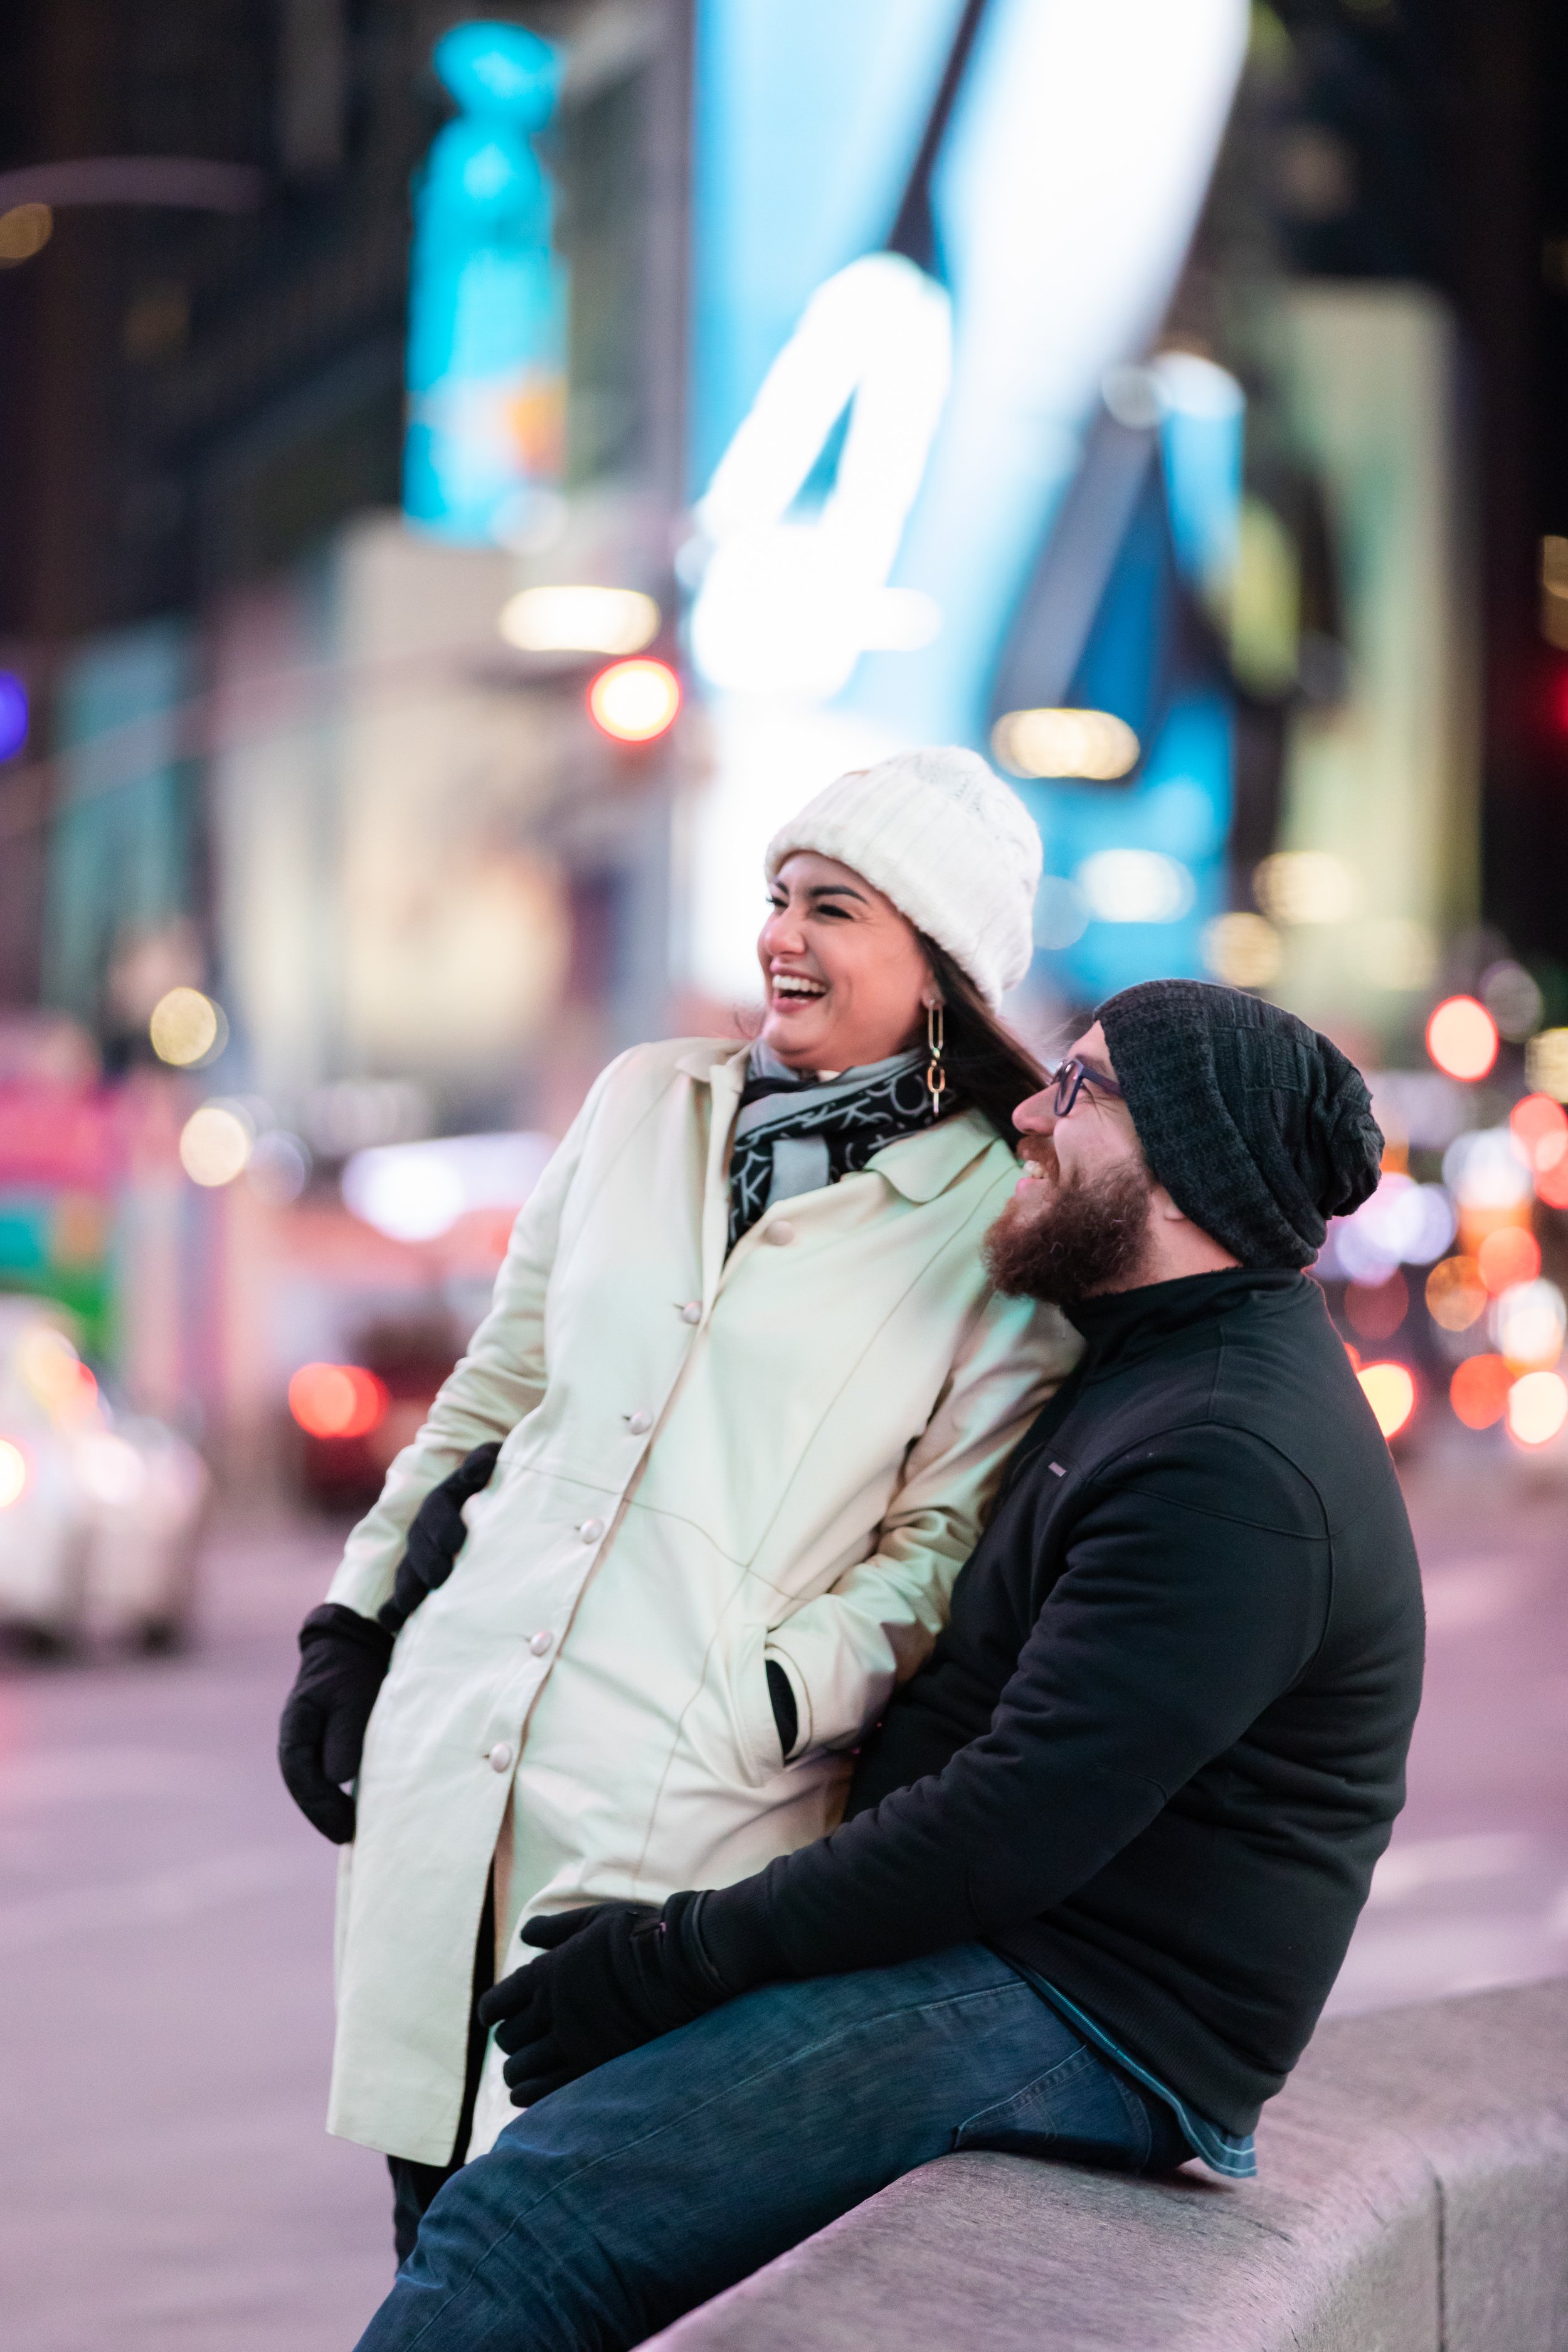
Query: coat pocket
point(757, 1748)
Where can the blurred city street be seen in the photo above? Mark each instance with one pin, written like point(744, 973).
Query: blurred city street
point(166, 1931)
point(469, 482)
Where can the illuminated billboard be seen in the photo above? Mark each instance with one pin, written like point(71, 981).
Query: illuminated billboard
point(924, 231)
point(487, 328)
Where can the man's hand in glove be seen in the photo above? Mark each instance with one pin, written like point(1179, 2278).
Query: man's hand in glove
point(437, 1535)
point(608, 1978)
point(343, 1658)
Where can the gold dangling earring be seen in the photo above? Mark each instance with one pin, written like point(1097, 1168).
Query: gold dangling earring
point(936, 1076)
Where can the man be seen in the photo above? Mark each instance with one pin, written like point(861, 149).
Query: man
point(1103, 1859)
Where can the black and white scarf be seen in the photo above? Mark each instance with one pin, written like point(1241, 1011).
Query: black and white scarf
point(796, 1133)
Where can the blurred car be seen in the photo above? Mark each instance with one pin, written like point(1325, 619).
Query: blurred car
point(100, 1513)
point(351, 1418)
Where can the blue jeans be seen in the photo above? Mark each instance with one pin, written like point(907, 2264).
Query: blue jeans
point(616, 2204)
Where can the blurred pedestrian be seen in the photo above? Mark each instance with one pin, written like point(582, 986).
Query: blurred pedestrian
point(1103, 1856)
point(751, 1388)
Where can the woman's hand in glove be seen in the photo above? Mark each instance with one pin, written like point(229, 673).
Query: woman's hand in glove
point(343, 1659)
point(608, 1978)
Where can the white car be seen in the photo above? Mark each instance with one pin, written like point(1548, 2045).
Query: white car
point(100, 1515)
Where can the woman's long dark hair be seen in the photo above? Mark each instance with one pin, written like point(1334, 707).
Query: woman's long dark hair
point(988, 1069)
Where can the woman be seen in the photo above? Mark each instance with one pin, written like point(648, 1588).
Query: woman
point(754, 1393)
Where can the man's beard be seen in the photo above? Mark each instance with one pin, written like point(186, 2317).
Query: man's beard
point(1089, 1237)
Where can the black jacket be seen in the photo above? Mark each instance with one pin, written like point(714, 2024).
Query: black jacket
point(1161, 1744)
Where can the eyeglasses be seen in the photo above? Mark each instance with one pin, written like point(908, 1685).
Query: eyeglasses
point(1070, 1079)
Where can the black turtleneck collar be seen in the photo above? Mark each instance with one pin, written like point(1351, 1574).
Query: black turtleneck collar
point(1121, 1324)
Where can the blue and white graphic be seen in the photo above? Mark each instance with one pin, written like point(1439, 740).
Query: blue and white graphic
point(488, 296)
point(885, 421)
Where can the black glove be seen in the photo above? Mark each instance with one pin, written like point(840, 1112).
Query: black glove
point(343, 1659)
point(437, 1537)
point(610, 1978)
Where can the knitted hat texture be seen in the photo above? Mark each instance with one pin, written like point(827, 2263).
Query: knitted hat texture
point(1258, 1128)
point(950, 843)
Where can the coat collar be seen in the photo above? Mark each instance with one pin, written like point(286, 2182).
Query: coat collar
point(917, 1166)
point(921, 1166)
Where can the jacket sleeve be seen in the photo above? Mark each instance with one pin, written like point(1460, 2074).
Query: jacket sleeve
point(846, 1651)
point(500, 1379)
point(1170, 1630)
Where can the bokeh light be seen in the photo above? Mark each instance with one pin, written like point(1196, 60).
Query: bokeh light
point(279, 1169)
point(112, 1470)
point(1552, 1185)
point(1089, 743)
point(1479, 1391)
point(13, 1473)
point(337, 1400)
point(1462, 1038)
point(24, 229)
point(1376, 1310)
point(55, 1375)
point(1061, 912)
point(1537, 1408)
point(1528, 1324)
point(1403, 1223)
point(1485, 1169)
point(1135, 886)
point(1242, 950)
point(215, 1144)
point(1539, 1126)
point(1390, 1389)
point(633, 701)
point(1456, 1295)
point(186, 1027)
point(579, 620)
point(13, 714)
point(1510, 1256)
point(1546, 1063)
point(1305, 885)
point(1512, 996)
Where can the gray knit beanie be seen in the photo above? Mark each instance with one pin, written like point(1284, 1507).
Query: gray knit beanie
point(1258, 1128)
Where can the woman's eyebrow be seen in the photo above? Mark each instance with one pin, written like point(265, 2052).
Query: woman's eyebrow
point(837, 890)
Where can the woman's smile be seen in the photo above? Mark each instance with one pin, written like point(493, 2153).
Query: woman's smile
point(789, 991)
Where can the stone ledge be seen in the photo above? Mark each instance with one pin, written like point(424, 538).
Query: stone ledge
point(1413, 2197)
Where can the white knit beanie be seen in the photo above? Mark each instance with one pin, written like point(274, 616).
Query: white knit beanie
point(947, 841)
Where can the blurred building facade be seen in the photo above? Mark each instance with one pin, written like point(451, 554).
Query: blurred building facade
point(942, 367)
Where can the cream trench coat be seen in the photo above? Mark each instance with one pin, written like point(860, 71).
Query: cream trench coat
point(709, 1460)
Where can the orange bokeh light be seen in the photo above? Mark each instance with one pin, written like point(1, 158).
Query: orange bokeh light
point(337, 1400)
point(633, 701)
point(1510, 1254)
point(1462, 1038)
point(1479, 1391)
point(1390, 1389)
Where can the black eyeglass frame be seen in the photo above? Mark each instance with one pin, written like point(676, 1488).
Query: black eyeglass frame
point(1070, 1077)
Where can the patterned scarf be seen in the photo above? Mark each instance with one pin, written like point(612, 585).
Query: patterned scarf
point(793, 1134)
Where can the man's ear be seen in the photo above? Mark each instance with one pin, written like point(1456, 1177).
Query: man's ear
point(1161, 1206)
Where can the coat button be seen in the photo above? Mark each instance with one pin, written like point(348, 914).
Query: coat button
point(781, 1233)
point(540, 1643)
point(591, 1531)
point(639, 1423)
point(500, 1757)
point(692, 1311)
